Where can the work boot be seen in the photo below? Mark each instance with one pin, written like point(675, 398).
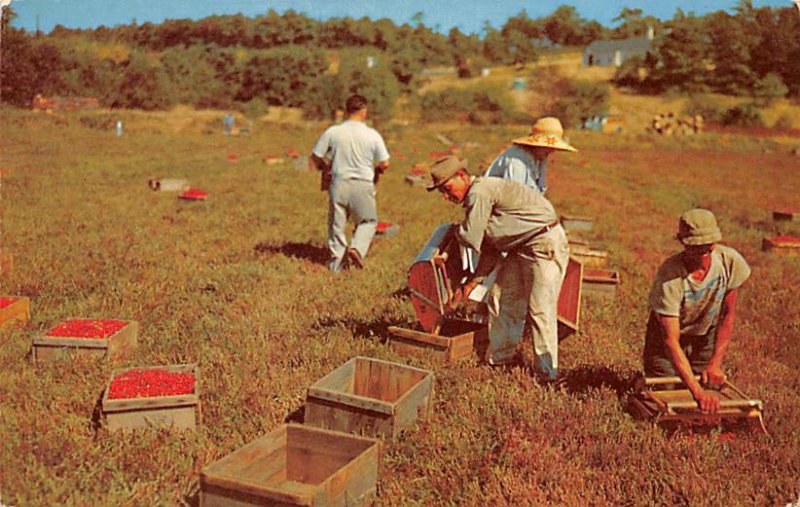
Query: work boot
point(354, 259)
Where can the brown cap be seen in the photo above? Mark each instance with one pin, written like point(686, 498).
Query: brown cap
point(444, 169)
point(698, 227)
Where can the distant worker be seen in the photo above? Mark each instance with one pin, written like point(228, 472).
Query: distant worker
point(506, 216)
point(358, 156)
point(525, 161)
point(227, 124)
point(693, 305)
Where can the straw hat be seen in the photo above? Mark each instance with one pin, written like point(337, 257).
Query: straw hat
point(444, 169)
point(547, 132)
point(698, 227)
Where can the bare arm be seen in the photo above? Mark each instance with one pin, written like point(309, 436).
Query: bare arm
point(709, 402)
point(713, 373)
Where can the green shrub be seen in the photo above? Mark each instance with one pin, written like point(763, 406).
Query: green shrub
point(704, 105)
point(282, 76)
point(769, 89)
point(743, 115)
point(479, 104)
point(784, 122)
point(579, 100)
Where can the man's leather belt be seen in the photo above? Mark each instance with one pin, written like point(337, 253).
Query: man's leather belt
point(544, 229)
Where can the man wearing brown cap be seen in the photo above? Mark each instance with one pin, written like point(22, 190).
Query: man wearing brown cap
point(505, 216)
point(693, 303)
point(525, 161)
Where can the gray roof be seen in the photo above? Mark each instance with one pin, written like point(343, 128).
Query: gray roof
point(632, 45)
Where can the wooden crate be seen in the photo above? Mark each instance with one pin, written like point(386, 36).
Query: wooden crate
point(782, 245)
point(179, 412)
point(785, 215)
point(576, 223)
point(119, 344)
point(370, 397)
point(168, 184)
point(601, 282)
point(457, 339)
point(588, 256)
point(14, 309)
point(569, 299)
point(295, 465)
point(679, 405)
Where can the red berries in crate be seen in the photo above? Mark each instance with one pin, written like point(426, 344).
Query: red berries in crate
point(87, 328)
point(194, 194)
point(4, 302)
point(150, 383)
point(233, 158)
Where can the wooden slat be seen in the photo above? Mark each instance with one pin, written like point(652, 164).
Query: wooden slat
point(374, 405)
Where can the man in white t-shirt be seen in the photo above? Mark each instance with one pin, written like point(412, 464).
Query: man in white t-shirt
point(359, 157)
point(693, 303)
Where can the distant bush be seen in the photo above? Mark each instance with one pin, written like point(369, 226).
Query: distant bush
point(282, 76)
point(579, 100)
point(769, 89)
point(704, 105)
point(743, 115)
point(629, 73)
point(378, 84)
point(784, 122)
point(479, 104)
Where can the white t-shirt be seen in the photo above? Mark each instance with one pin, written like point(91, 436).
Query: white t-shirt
point(356, 147)
point(675, 293)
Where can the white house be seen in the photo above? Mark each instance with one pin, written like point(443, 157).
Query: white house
point(615, 52)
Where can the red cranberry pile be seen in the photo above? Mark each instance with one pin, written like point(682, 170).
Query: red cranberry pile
point(87, 328)
point(194, 194)
point(383, 226)
point(144, 383)
point(4, 302)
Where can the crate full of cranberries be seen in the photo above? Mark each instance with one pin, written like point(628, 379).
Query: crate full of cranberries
point(109, 338)
point(152, 397)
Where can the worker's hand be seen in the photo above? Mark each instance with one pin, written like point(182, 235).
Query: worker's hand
point(461, 294)
point(713, 376)
point(708, 401)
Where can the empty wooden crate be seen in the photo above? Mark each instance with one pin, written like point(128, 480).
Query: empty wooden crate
point(456, 339)
point(295, 465)
point(91, 337)
point(576, 223)
point(782, 245)
point(14, 309)
point(786, 215)
point(153, 396)
point(370, 397)
point(600, 282)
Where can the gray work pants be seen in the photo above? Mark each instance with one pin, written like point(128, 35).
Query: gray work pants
point(528, 284)
point(353, 200)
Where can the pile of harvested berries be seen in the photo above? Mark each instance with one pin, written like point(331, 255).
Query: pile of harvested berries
point(194, 194)
point(87, 328)
point(144, 383)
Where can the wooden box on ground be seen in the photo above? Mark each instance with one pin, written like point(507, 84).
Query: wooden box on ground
point(14, 309)
point(782, 245)
point(786, 215)
point(679, 404)
point(179, 411)
point(168, 184)
point(569, 299)
point(588, 256)
point(456, 339)
point(295, 465)
point(600, 282)
point(49, 347)
point(576, 223)
point(370, 397)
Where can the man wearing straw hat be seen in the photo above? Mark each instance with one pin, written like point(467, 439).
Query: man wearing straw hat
point(525, 161)
point(505, 216)
point(693, 304)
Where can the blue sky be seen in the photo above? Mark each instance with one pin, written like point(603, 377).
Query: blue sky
point(468, 15)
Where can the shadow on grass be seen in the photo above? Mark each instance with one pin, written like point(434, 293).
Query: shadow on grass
point(297, 416)
point(306, 251)
point(588, 377)
point(363, 328)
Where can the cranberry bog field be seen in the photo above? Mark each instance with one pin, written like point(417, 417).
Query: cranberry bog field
point(237, 283)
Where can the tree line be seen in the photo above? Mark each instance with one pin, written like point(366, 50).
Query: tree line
point(287, 59)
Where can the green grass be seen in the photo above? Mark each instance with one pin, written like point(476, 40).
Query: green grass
point(237, 284)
